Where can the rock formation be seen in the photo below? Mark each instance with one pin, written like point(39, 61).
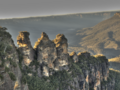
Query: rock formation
point(10, 73)
point(25, 47)
point(46, 53)
point(3, 28)
point(86, 54)
point(62, 49)
point(74, 56)
point(50, 58)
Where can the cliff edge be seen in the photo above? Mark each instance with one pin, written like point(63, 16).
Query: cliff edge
point(48, 66)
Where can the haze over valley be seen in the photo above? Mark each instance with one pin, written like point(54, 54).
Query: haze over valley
point(97, 33)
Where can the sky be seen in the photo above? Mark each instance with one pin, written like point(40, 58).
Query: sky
point(28, 8)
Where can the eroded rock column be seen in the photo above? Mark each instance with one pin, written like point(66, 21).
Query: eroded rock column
point(46, 53)
point(62, 49)
point(25, 47)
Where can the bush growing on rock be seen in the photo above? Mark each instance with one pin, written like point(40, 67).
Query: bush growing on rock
point(12, 76)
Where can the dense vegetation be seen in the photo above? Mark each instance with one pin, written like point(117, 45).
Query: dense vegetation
point(5, 50)
point(115, 74)
point(60, 79)
point(57, 80)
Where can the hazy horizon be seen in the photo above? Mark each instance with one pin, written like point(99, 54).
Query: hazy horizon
point(60, 14)
point(30, 8)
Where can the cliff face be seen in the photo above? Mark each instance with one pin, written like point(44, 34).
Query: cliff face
point(94, 70)
point(51, 55)
point(25, 47)
point(46, 53)
point(62, 49)
point(49, 66)
point(10, 74)
point(87, 72)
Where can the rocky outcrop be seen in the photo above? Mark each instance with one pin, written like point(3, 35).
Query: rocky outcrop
point(46, 53)
point(50, 58)
point(74, 56)
point(25, 47)
point(10, 73)
point(95, 70)
point(52, 54)
point(46, 50)
point(86, 54)
point(62, 49)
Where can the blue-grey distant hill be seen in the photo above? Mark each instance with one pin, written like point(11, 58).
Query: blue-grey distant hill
point(103, 38)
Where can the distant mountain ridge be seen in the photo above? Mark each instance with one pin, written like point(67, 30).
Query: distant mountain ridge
point(103, 38)
point(65, 24)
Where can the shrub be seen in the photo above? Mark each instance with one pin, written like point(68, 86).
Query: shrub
point(58, 79)
point(2, 46)
point(12, 76)
point(12, 62)
point(115, 74)
point(9, 48)
point(2, 64)
point(36, 63)
point(1, 77)
point(28, 70)
point(7, 69)
point(24, 79)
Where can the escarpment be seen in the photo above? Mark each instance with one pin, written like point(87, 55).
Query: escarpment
point(48, 66)
point(10, 73)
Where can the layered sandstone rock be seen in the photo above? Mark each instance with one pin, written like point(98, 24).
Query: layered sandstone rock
point(52, 57)
point(62, 49)
point(10, 73)
point(74, 56)
point(46, 53)
point(25, 47)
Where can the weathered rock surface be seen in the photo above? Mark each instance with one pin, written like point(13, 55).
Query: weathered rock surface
point(62, 49)
point(10, 73)
point(46, 53)
point(74, 56)
point(86, 54)
point(25, 47)
point(49, 57)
